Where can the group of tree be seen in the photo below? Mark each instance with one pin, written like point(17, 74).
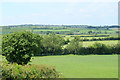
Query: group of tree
point(18, 48)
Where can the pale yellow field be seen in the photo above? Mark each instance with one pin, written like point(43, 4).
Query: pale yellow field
point(111, 42)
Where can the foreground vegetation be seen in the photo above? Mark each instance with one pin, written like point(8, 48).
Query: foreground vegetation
point(18, 72)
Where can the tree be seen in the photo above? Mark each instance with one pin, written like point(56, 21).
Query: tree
point(74, 46)
point(19, 47)
point(89, 32)
point(52, 44)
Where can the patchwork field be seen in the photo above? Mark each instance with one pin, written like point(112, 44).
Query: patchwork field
point(76, 66)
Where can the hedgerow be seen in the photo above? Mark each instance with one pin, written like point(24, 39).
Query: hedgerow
point(28, 72)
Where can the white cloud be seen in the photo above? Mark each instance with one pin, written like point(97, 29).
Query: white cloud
point(68, 1)
point(92, 10)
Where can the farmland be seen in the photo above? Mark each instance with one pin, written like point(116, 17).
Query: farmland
point(69, 59)
point(91, 66)
point(63, 29)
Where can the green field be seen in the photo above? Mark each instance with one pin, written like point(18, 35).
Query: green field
point(83, 30)
point(76, 66)
point(90, 43)
point(109, 42)
point(51, 30)
point(115, 29)
point(70, 38)
point(63, 29)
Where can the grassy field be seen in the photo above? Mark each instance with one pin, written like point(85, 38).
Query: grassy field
point(70, 38)
point(50, 30)
point(90, 43)
point(83, 30)
point(109, 42)
point(76, 66)
point(62, 29)
point(115, 29)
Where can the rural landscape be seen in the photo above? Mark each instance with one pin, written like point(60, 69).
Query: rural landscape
point(59, 40)
point(59, 51)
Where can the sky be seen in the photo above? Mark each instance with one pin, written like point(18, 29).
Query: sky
point(70, 12)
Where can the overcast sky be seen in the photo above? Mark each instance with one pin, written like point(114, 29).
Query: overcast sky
point(91, 12)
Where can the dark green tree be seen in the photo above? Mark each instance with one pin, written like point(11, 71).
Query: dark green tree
point(89, 32)
point(19, 47)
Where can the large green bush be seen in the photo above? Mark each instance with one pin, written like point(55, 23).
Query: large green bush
point(87, 50)
point(115, 49)
point(20, 46)
point(100, 48)
point(28, 72)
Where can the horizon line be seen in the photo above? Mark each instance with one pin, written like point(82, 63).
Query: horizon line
point(60, 24)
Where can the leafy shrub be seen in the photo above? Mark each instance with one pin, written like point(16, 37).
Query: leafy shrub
point(20, 46)
point(18, 72)
point(100, 48)
point(115, 49)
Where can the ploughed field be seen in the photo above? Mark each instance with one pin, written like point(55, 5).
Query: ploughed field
point(77, 66)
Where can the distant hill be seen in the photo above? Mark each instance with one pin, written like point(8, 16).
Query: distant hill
point(70, 26)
